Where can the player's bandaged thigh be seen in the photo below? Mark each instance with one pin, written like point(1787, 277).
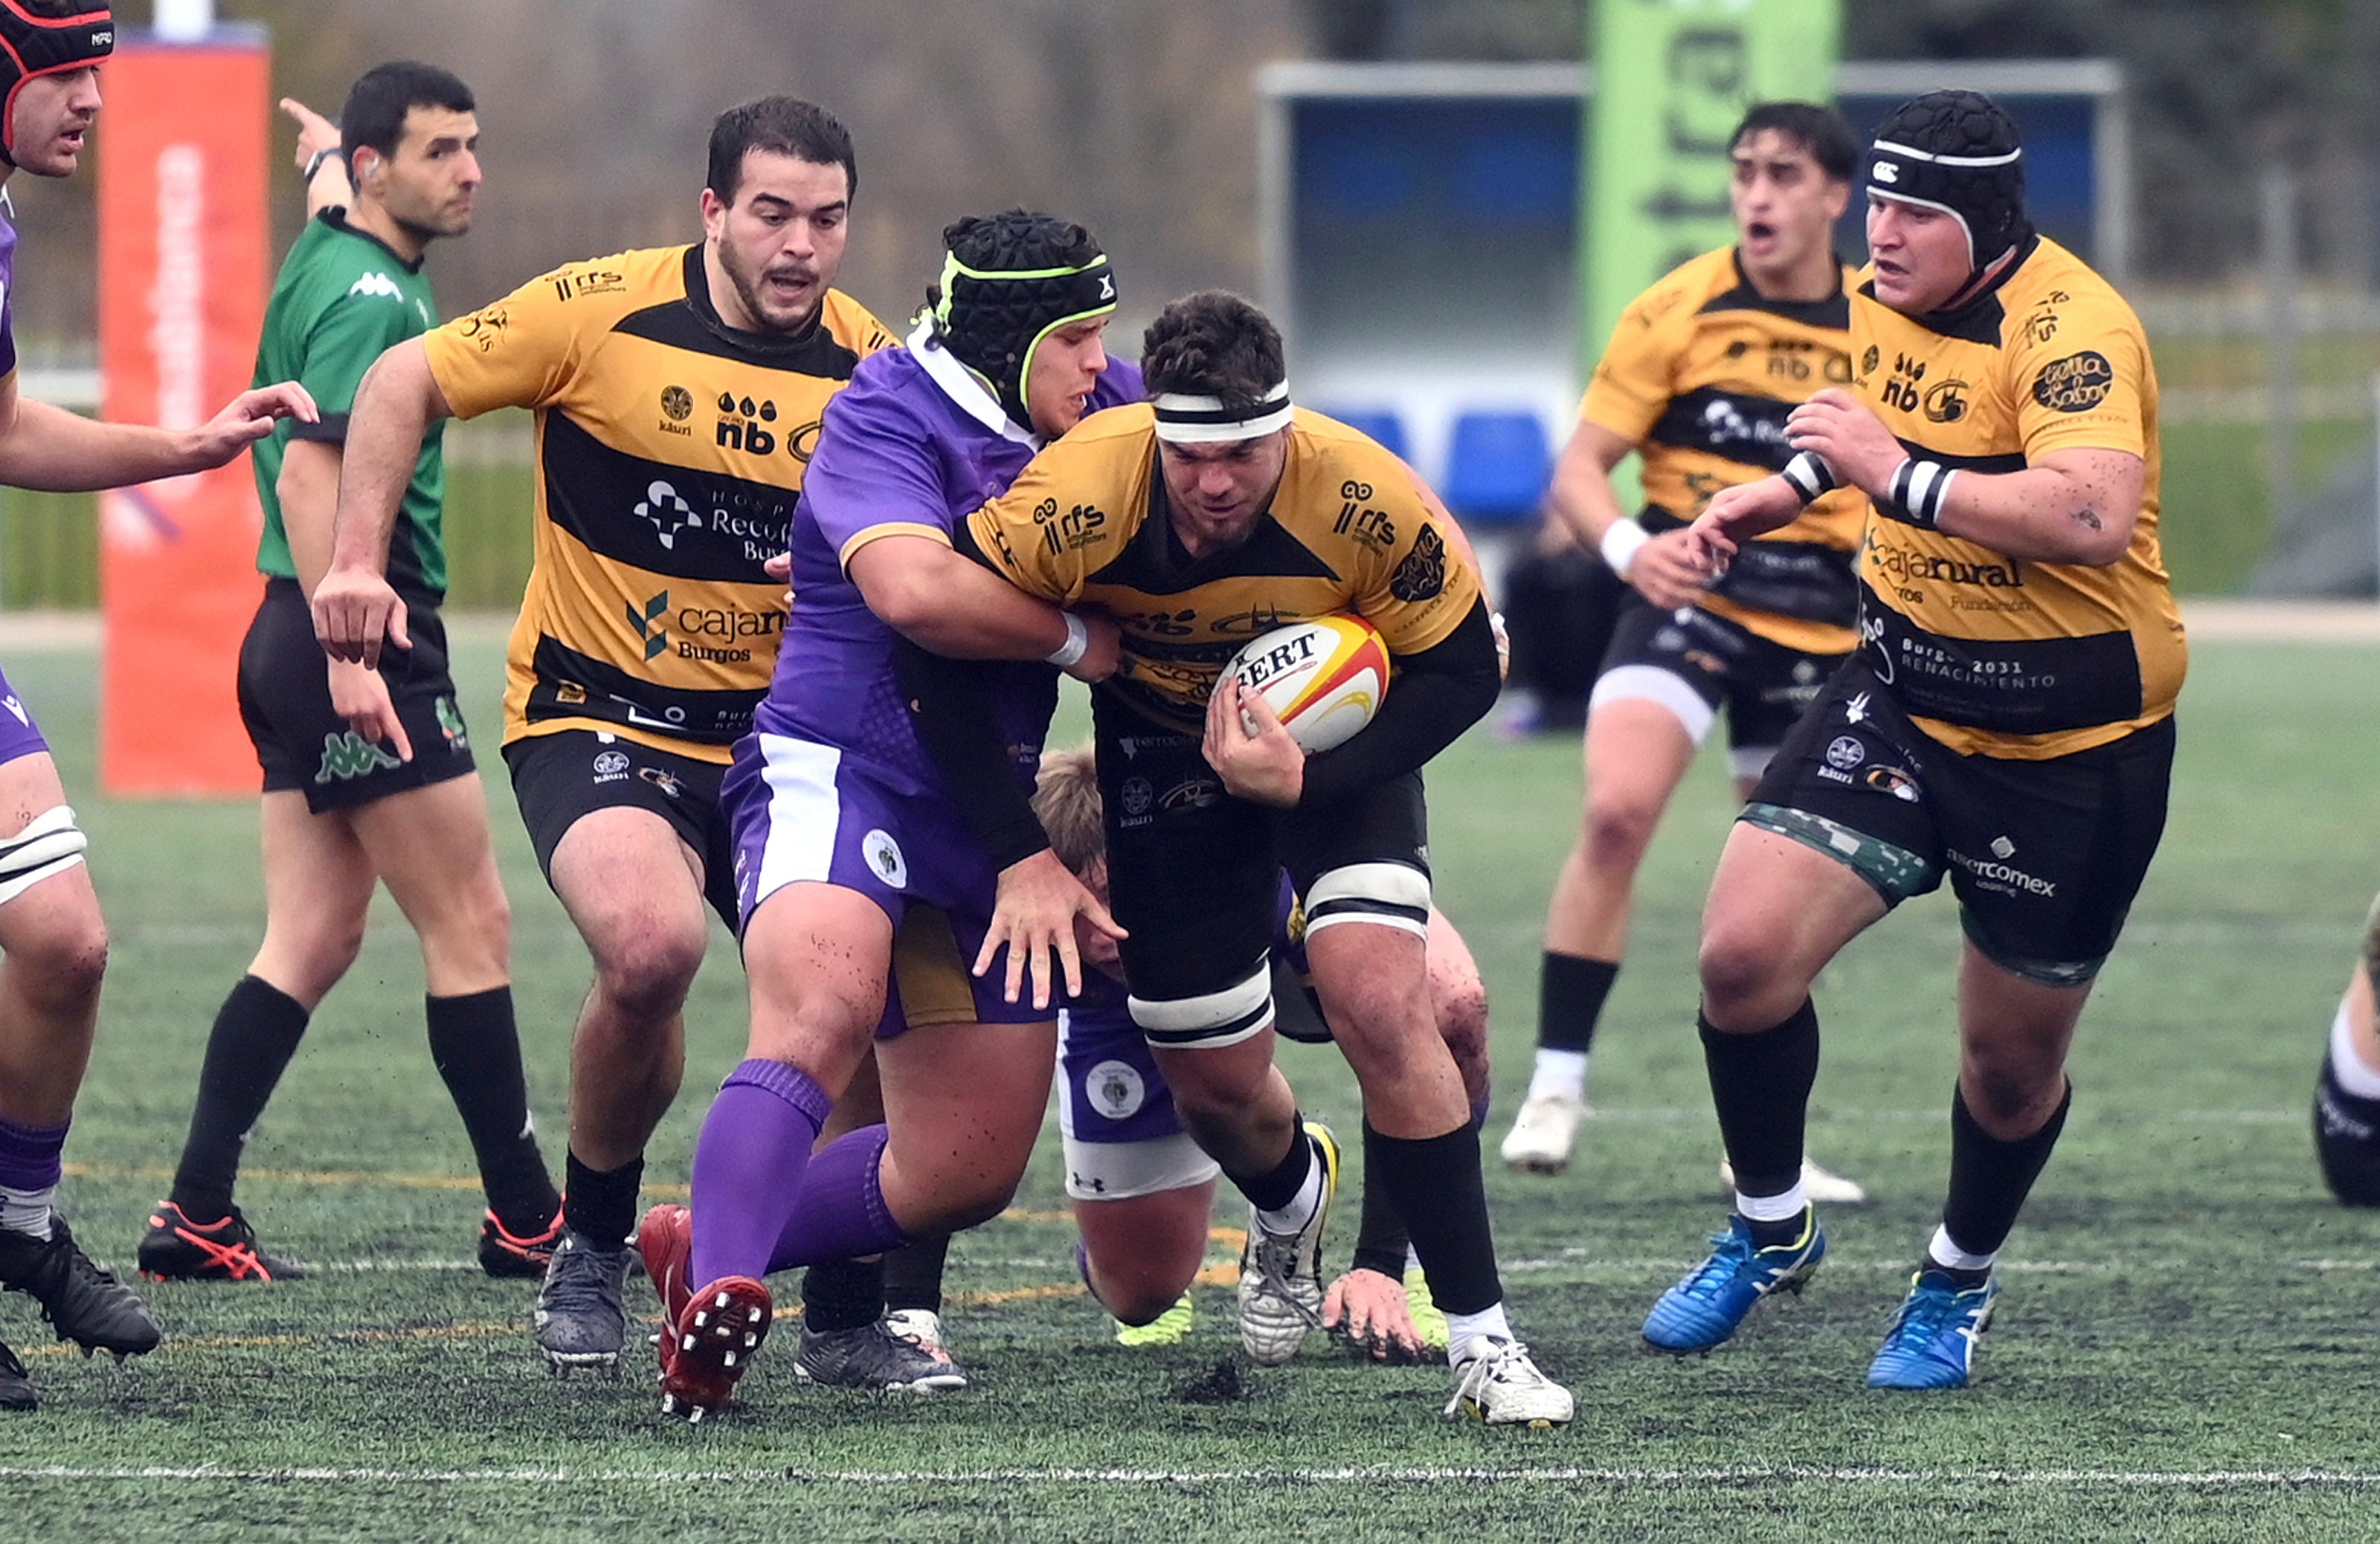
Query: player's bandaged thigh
point(1392, 894)
point(50, 844)
point(1120, 1171)
point(1663, 688)
point(1212, 1020)
point(1896, 872)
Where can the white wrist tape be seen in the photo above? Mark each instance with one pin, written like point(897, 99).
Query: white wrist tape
point(1810, 476)
point(1919, 489)
point(1621, 544)
point(1078, 643)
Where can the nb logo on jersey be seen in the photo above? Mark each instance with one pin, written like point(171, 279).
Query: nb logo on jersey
point(379, 285)
point(350, 755)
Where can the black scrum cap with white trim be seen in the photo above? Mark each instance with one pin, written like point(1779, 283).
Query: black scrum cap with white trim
point(1957, 151)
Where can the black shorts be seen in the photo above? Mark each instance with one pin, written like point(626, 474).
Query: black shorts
point(571, 772)
point(301, 742)
point(1195, 876)
point(1711, 662)
point(2044, 857)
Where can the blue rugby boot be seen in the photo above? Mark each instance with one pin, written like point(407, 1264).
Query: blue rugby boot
point(1932, 1342)
point(1706, 1307)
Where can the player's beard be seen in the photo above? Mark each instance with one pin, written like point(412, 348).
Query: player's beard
point(750, 286)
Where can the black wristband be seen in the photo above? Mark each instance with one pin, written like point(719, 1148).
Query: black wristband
point(321, 158)
point(1919, 489)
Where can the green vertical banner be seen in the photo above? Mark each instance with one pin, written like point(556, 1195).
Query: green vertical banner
point(1672, 79)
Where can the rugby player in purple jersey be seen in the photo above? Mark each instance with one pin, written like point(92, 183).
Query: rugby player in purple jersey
point(844, 830)
point(53, 944)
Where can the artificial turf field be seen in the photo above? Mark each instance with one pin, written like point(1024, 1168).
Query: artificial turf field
point(2186, 1348)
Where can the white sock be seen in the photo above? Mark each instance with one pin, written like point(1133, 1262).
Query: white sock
point(1463, 1332)
point(1772, 1209)
point(1413, 1261)
point(26, 1212)
point(2346, 1064)
point(1942, 1251)
point(1302, 1207)
point(1562, 1073)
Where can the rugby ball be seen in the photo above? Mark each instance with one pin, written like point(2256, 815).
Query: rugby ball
point(1324, 678)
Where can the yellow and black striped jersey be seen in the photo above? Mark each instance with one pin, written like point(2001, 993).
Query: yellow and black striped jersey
point(1699, 375)
point(1349, 530)
point(670, 451)
point(1993, 655)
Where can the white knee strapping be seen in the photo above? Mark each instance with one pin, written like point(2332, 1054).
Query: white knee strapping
point(50, 844)
point(1393, 895)
point(1218, 1019)
point(1650, 683)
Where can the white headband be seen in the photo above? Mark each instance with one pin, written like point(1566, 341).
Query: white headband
point(1183, 419)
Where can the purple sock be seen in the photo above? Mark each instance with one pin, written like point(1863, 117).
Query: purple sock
point(748, 1166)
point(839, 1213)
point(31, 1157)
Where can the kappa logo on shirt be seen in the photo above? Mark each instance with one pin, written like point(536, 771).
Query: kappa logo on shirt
point(377, 285)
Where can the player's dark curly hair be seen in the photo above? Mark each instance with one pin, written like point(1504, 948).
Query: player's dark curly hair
point(1213, 343)
point(1016, 240)
point(383, 96)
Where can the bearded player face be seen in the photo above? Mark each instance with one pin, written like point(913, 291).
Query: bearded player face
point(53, 119)
point(780, 241)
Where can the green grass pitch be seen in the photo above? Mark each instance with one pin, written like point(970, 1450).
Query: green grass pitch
point(2185, 1349)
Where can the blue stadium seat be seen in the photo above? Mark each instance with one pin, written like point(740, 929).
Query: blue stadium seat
point(1381, 423)
point(1497, 467)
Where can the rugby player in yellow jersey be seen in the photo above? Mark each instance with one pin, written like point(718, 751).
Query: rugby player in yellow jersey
point(678, 392)
point(2007, 723)
point(1215, 512)
point(1698, 377)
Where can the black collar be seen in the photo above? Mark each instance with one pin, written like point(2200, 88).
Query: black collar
point(335, 217)
point(758, 346)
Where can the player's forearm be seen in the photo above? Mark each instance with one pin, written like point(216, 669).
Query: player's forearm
point(945, 601)
point(1581, 495)
point(307, 489)
point(57, 451)
point(395, 405)
point(2043, 515)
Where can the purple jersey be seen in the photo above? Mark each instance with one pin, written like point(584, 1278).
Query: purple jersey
point(8, 296)
point(912, 446)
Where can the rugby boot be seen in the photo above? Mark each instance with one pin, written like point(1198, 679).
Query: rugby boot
point(1280, 1274)
point(510, 1256)
point(1819, 1182)
point(873, 1357)
point(177, 1249)
point(1498, 1385)
point(84, 1303)
point(1169, 1328)
point(16, 1390)
point(708, 1348)
point(1706, 1307)
point(1932, 1342)
point(1430, 1321)
point(923, 1329)
point(1543, 1133)
point(582, 1316)
point(665, 1246)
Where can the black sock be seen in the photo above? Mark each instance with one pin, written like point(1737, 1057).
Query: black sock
point(912, 1274)
point(1989, 1178)
point(1434, 1185)
point(843, 1295)
point(601, 1206)
point(1277, 1187)
point(476, 1050)
point(256, 1032)
point(1380, 1241)
point(1570, 990)
point(1761, 1084)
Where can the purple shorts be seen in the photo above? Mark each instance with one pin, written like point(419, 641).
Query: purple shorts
point(1109, 1090)
point(805, 812)
point(19, 735)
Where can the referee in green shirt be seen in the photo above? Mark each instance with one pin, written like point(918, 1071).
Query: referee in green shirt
point(343, 813)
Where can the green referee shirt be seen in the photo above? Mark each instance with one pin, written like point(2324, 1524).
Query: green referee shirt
point(342, 298)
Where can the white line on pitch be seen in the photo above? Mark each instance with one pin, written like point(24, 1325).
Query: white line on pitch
point(2294, 1479)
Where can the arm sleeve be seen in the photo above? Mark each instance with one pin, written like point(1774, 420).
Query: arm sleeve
point(1437, 694)
point(1633, 382)
point(342, 344)
point(1417, 588)
point(2085, 386)
point(519, 352)
point(951, 705)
